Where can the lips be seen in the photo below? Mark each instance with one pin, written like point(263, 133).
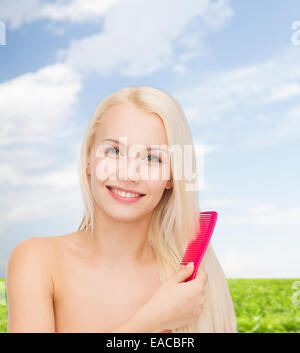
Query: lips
point(125, 190)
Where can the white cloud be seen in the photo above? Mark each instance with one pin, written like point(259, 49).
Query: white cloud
point(33, 196)
point(254, 106)
point(38, 156)
point(284, 91)
point(219, 203)
point(36, 106)
point(203, 149)
point(16, 13)
point(225, 92)
point(179, 69)
point(260, 264)
point(33, 190)
point(39, 204)
point(262, 209)
point(265, 214)
point(256, 240)
point(63, 178)
point(76, 10)
point(127, 44)
point(290, 125)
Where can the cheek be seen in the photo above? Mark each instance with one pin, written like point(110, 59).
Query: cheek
point(98, 174)
point(156, 188)
point(105, 168)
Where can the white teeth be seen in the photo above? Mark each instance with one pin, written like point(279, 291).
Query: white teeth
point(124, 194)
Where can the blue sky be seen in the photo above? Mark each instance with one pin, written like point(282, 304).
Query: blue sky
point(232, 66)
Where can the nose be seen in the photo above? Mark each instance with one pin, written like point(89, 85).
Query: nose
point(129, 168)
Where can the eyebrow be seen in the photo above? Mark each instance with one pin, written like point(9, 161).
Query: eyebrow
point(148, 147)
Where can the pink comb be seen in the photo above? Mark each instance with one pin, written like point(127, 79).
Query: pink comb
point(197, 247)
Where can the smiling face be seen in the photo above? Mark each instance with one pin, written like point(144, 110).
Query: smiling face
point(119, 166)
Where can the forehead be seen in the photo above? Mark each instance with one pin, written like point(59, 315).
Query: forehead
point(138, 126)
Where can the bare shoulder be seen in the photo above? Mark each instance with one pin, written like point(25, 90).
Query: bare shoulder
point(41, 247)
point(30, 285)
point(35, 244)
point(38, 253)
point(35, 248)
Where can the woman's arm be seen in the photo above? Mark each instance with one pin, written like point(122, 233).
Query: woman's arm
point(137, 323)
point(142, 321)
point(30, 289)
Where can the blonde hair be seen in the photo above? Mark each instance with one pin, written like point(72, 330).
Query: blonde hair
point(175, 219)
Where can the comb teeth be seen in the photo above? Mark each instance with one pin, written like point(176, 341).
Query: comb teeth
point(197, 247)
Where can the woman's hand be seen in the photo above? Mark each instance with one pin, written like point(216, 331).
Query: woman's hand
point(176, 303)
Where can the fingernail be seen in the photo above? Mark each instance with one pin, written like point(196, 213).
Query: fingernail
point(190, 264)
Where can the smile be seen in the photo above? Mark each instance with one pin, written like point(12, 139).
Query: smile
point(124, 196)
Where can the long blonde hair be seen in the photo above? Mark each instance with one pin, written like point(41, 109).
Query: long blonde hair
point(175, 219)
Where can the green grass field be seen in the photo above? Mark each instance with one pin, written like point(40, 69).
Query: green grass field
point(3, 307)
point(261, 305)
point(266, 305)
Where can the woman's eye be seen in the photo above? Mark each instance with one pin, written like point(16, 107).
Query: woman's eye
point(157, 159)
point(111, 148)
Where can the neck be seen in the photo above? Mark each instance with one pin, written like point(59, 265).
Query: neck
point(121, 243)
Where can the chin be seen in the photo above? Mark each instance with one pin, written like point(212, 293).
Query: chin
point(124, 216)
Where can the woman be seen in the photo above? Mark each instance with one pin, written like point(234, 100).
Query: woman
point(120, 271)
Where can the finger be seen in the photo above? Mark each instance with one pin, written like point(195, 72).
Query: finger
point(185, 272)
